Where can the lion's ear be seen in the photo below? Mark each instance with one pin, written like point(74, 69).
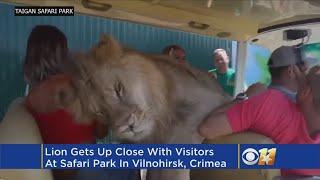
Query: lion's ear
point(107, 49)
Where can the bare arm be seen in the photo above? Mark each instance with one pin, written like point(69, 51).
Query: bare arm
point(216, 124)
point(251, 91)
point(224, 107)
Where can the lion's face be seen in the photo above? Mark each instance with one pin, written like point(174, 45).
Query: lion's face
point(126, 103)
point(113, 89)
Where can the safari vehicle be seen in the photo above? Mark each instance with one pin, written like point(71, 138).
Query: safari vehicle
point(248, 29)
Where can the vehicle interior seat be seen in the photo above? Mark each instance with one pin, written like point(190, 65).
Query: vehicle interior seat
point(234, 174)
point(19, 127)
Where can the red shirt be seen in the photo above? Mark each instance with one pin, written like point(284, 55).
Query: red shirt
point(57, 126)
point(273, 114)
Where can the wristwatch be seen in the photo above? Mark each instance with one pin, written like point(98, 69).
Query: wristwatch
point(241, 96)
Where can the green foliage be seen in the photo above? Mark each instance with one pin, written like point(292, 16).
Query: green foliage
point(262, 62)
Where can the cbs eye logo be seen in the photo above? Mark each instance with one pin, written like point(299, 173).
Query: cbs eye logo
point(263, 157)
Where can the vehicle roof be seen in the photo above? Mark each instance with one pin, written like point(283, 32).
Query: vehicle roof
point(232, 19)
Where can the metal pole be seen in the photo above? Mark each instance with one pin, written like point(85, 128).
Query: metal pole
point(240, 67)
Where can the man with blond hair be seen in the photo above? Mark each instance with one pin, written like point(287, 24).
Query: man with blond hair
point(222, 72)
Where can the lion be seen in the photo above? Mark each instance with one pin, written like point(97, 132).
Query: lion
point(142, 98)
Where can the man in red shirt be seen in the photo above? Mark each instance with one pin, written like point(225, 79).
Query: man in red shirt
point(274, 112)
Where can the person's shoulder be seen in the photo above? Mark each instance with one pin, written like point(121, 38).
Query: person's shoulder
point(41, 98)
point(275, 93)
point(262, 96)
point(231, 72)
point(272, 95)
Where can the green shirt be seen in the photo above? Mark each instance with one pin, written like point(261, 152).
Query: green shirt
point(226, 80)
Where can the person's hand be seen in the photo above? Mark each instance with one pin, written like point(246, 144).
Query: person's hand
point(211, 75)
point(305, 97)
point(255, 89)
point(301, 78)
point(314, 81)
point(313, 78)
point(314, 71)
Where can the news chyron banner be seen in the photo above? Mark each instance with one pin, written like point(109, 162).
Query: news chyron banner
point(119, 156)
point(159, 156)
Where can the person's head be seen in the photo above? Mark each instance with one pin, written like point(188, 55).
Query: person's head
point(282, 66)
point(221, 60)
point(176, 52)
point(47, 49)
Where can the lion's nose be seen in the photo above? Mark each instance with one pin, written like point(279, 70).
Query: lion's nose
point(126, 123)
point(122, 128)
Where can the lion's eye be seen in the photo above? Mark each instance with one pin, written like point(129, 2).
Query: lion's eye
point(119, 89)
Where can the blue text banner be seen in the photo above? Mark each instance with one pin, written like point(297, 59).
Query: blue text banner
point(159, 156)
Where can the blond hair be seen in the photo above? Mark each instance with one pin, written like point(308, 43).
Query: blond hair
point(218, 51)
